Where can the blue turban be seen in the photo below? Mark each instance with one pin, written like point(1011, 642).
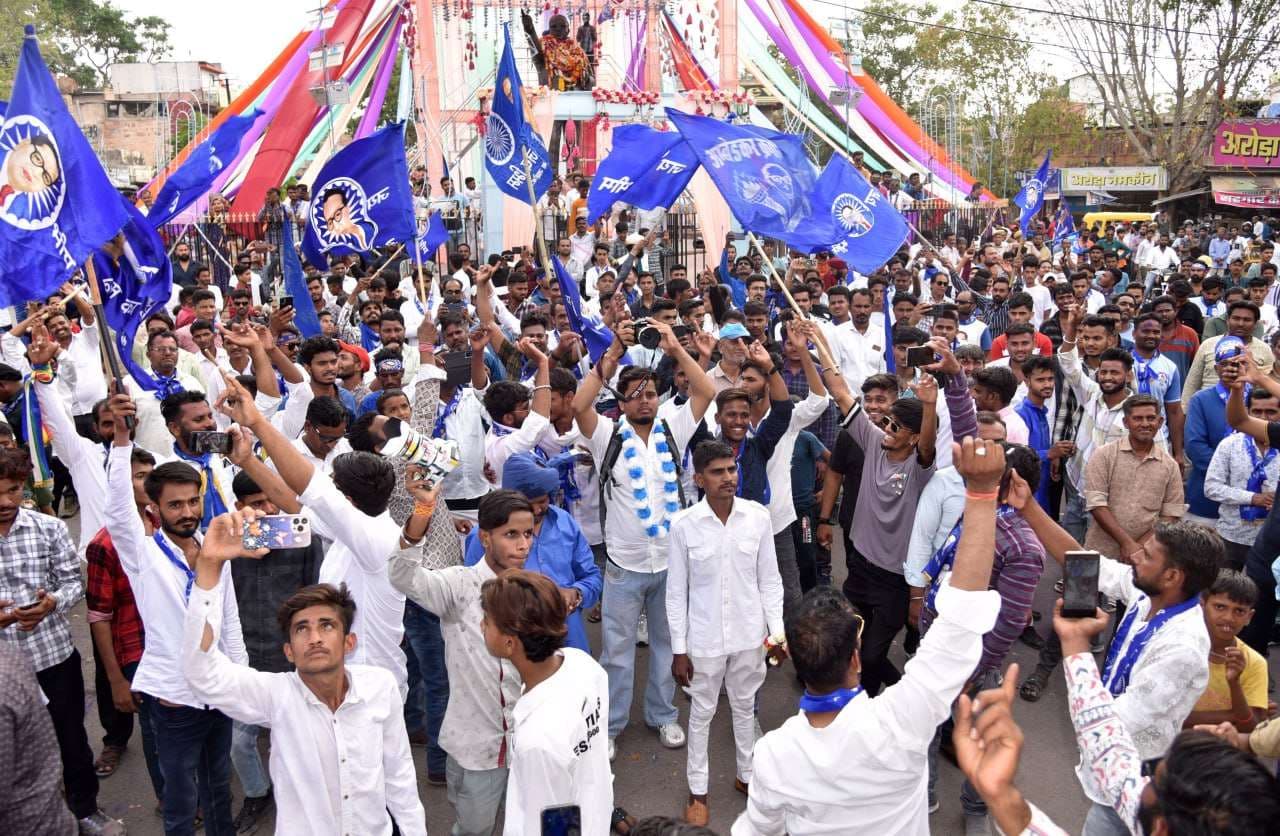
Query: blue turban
point(523, 472)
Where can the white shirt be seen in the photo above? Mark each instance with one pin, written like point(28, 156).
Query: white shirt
point(84, 459)
point(152, 433)
point(859, 354)
point(870, 765)
point(160, 589)
point(558, 751)
point(465, 425)
point(358, 558)
point(782, 507)
point(1162, 258)
point(324, 465)
point(629, 546)
point(482, 689)
point(502, 444)
point(1167, 679)
point(940, 506)
point(724, 593)
point(971, 333)
point(333, 771)
point(1043, 307)
point(90, 384)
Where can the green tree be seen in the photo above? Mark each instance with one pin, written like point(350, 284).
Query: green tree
point(79, 38)
point(1167, 71)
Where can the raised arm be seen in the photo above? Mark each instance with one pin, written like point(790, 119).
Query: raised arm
point(293, 468)
point(926, 390)
point(1238, 416)
point(264, 477)
point(701, 389)
point(120, 514)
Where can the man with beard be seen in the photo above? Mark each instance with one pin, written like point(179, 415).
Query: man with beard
point(318, 356)
point(1157, 376)
point(193, 742)
point(1158, 663)
point(185, 414)
point(858, 346)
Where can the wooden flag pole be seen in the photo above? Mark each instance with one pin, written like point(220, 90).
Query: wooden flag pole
point(107, 342)
point(537, 221)
point(824, 352)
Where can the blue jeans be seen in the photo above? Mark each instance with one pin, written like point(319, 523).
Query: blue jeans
point(146, 707)
point(626, 595)
point(1104, 821)
point(247, 761)
point(1075, 519)
point(194, 749)
point(428, 681)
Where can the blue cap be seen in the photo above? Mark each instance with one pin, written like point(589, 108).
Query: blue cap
point(526, 474)
point(733, 331)
point(1228, 348)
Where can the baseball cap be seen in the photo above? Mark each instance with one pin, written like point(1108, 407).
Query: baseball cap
point(733, 331)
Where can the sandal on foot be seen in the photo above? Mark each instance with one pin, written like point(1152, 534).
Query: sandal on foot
point(109, 761)
point(621, 822)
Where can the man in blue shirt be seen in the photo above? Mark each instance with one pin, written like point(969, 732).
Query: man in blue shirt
point(560, 549)
point(1156, 375)
point(1220, 248)
point(1206, 427)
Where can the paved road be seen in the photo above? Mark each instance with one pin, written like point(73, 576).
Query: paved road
point(650, 780)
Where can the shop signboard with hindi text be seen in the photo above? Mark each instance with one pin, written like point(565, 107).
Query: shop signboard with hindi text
point(1120, 178)
point(1247, 143)
point(1246, 192)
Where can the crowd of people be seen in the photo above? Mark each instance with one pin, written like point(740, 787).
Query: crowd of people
point(963, 418)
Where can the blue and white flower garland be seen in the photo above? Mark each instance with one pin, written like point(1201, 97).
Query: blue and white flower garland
point(631, 449)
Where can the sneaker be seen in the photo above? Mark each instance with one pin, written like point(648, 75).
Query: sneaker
point(642, 631)
point(250, 815)
point(933, 806)
point(100, 824)
point(613, 750)
point(977, 825)
point(671, 735)
point(1059, 585)
point(70, 506)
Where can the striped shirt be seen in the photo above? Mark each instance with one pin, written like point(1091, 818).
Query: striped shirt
point(1015, 572)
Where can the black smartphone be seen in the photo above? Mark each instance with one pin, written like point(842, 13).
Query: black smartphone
point(457, 367)
point(562, 821)
point(1080, 587)
point(286, 302)
point(920, 355)
point(209, 441)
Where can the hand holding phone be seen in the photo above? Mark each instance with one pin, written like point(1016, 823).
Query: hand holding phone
point(279, 531)
point(1080, 583)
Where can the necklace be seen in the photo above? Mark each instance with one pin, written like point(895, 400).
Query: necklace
point(631, 450)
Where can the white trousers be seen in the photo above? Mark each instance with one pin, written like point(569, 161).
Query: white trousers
point(742, 674)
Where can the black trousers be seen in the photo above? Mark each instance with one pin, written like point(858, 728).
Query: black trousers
point(1257, 633)
point(116, 725)
point(63, 685)
point(881, 596)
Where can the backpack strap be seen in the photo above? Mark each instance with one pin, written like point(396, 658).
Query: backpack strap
point(605, 471)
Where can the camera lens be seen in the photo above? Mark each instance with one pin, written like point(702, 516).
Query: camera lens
point(649, 338)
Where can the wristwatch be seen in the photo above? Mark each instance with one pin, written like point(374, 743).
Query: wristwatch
point(828, 521)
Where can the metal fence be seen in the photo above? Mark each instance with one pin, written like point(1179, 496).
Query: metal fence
point(935, 219)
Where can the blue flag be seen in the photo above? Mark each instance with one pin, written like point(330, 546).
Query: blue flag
point(362, 199)
point(133, 286)
point(764, 176)
point(509, 141)
point(870, 229)
point(295, 285)
point(195, 177)
point(595, 335)
point(1064, 226)
point(1031, 197)
point(647, 168)
point(432, 237)
point(56, 204)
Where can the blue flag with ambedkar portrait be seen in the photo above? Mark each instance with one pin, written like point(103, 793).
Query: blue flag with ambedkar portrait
point(56, 203)
point(513, 153)
point(295, 285)
point(1031, 196)
point(870, 230)
point(432, 238)
point(647, 168)
point(195, 176)
point(1064, 226)
point(133, 285)
point(362, 199)
point(765, 177)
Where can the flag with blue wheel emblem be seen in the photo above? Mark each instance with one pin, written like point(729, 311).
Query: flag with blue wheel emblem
point(647, 168)
point(1064, 226)
point(869, 229)
point(513, 153)
point(195, 176)
point(1031, 196)
point(362, 199)
point(56, 203)
point(431, 238)
point(136, 279)
point(764, 176)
